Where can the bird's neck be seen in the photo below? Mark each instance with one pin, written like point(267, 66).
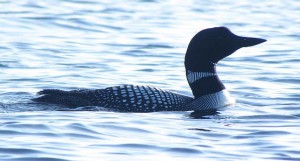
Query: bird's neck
point(203, 79)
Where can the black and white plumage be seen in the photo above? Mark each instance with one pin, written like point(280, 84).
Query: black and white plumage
point(205, 50)
point(194, 76)
point(124, 98)
point(212, 101)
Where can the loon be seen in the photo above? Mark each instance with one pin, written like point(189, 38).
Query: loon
point(204, 51)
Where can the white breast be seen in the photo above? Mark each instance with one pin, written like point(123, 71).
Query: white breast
point(213, 101)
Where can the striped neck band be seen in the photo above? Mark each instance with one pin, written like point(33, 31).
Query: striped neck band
point(194, 76)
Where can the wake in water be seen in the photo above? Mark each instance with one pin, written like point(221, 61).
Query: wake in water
point(21, 102)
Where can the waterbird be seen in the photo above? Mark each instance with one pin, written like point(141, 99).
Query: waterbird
point(204, 51)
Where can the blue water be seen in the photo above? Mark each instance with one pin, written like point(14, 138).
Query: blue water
point(70, 44)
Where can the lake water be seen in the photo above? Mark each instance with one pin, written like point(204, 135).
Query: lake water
point(69, 44)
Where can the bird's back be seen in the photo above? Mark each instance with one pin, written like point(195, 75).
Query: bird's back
point(125, 98)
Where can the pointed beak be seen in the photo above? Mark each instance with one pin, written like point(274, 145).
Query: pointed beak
point(249, 41)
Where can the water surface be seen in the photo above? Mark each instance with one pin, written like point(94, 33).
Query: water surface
point(69, 44)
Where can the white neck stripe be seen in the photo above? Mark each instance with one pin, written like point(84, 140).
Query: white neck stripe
point(194, 76)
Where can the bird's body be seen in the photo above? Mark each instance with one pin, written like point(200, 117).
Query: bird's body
point(124, 98)
point(204, 51)
point(133, 98)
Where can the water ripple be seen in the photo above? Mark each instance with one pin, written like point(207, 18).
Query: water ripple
point(69, 44)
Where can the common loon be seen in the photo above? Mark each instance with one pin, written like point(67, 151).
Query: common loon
point(204, 51)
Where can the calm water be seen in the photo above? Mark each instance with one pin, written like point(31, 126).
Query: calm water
point(70, 44)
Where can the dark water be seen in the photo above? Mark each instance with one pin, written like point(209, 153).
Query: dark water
point(69, 44)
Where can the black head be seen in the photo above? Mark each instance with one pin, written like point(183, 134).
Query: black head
point(213, 44)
